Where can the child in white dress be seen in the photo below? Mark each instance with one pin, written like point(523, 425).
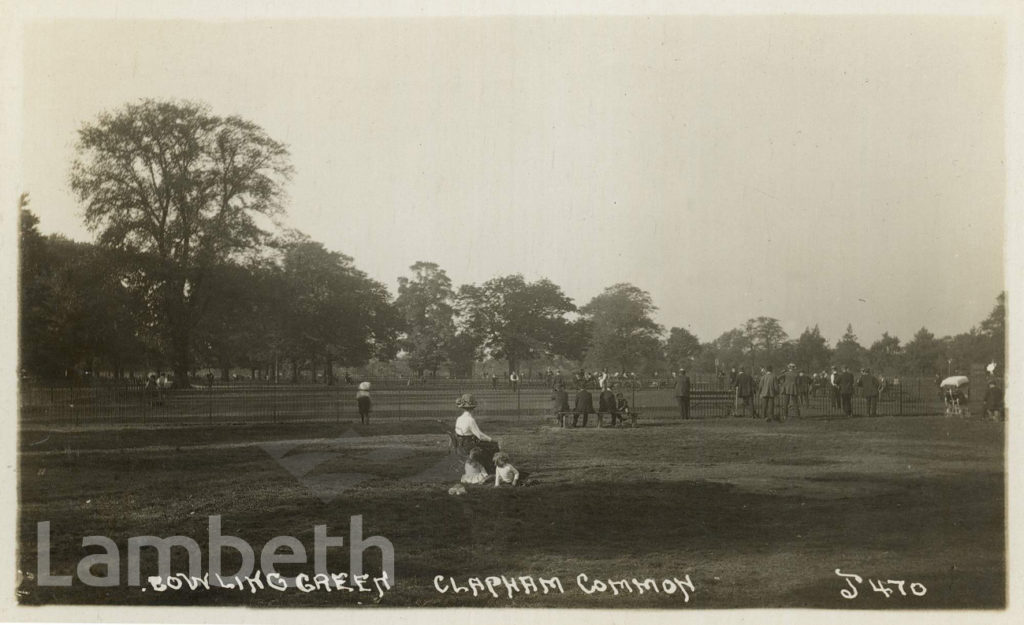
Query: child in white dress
point(474, 472)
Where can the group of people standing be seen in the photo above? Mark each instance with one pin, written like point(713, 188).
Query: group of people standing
point(793, 388)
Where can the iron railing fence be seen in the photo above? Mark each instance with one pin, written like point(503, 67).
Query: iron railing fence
point(130, 402)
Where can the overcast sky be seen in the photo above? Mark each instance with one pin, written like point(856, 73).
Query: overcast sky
point(826, 170)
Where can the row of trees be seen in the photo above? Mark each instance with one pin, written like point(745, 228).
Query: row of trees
point(192, 268)
point(762, 341)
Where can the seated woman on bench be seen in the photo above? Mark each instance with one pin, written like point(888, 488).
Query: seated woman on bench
point(622, 407)
point(469, 436)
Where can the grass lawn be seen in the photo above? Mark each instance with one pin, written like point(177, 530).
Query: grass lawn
point(757, 514)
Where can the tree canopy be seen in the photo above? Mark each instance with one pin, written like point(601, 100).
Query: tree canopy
point(425, 304)
point(623, 335)
point(517, 320)
point(179, 190)
point(680, 347)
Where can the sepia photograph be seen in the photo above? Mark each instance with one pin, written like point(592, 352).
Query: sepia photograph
point(601, 308)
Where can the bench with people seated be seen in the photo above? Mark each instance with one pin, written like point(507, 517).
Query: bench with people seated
point(564, 419)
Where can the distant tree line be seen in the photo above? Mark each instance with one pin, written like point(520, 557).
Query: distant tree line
point(191, 269)
point(762, 341)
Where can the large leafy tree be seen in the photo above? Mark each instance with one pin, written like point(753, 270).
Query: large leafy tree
point(964, 350)
point(463, 351)
point(34, 300)
point(849, 351)
point(886, 354)
point(335, 313)
point(924, 353)
point(731, 347)
point(74, 313)
point(517, 320)
point(681, 346)
point(180, 191)
point(425, 303)
point(766, 336)
point(811, 349)
point(233, 329)
point(622, 333)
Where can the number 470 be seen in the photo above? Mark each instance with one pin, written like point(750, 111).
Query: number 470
point(884, 587)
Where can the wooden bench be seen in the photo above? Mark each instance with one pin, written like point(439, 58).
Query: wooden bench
point(562, 417)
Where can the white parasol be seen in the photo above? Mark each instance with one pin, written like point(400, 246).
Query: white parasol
point(955, 381)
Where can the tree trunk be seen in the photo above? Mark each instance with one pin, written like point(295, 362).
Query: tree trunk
point(225, 374)
point(329, 372)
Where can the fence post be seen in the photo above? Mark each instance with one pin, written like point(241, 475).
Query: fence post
point(209, 403)
point(899, 400)
point(518, 414)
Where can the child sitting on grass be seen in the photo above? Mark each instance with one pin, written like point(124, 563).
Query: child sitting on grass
point(505, 473)
point(474, 471)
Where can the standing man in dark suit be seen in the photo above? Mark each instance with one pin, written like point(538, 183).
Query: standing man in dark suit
point(789, 388)
point(803, 388)
point(584, 405)
point(767, 389)
point(682, 391)
point(845, 382)
point(745, 392)
point(871, 388)
point(560, 403)
point(606, 403)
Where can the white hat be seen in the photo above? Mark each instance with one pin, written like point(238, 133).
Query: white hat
point(364, 386)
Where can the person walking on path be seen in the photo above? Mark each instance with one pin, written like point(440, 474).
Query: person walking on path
point(682, 392)
point(767, 389)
